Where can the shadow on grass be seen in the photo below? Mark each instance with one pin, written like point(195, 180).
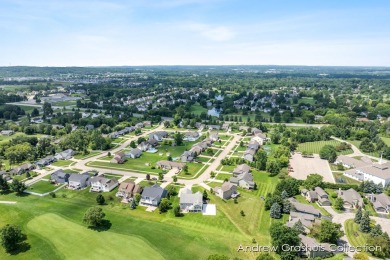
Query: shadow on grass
point(104, 226)
point(22, 247)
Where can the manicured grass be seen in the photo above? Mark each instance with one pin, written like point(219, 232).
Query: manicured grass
point(70, 240)
point(223, 176)
point(357, 144)
point(197, 109)
point(355, 236)
point(64, 103)
point(63, 163)
point(315, 147)
point(42, 187)
point(340, 176)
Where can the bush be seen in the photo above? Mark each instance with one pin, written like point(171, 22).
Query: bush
point(52, 194)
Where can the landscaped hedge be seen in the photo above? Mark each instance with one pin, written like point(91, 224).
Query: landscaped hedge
point(343, 186)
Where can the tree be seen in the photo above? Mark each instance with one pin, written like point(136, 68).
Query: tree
point(273, 167)
point(284, 195)
point(4, 187)
point(178, 137)
point(35, 112)
point(275, 211)
point(160, 176)
point(298, 226)
point(282, 235)
point(100, 199)
point(328, 152)
point(327, 232)
point(132, 144)
point(205, 195)
point(174, 178)
point(94, 216)
point(18, 187)
point(339, 204)
point(312, 181)
point(358, 215)
point(11, 237)
point(176, 211)
point(242, 213)
point(185, 169)
point(137, 197)
point(133, 205)
point(164, 205)
point(148, 177)
point(286, 206)
point(365, 222)
point(47, 110)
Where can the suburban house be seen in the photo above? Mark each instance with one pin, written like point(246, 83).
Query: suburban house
point(191, 202)
point(134, 153)
point(316, 195)
point(159, 135)
point(191, 136)
point(379, 173)
point(187, 156)
point(101, 184)
point(196, 150)
point(144, 146)
point(168, 165)
point(89, 127)
point(306, 220)
point(260, 138)
point(304, 208)
point(7, 132)
point(249, 154)
point(381, 202)
point(349, 162)
point(242, 168)
point(312, 249)
point(64, 155)
point(226, 191)
point(213, 136)
point(253, 145)
point(147, 123)
point(118, 158)
point(153, 195)
point(25, 167)
point(351, 198)
point(214, 127)
point(45, 161)
point(125, 189)
point(152, 142)
point(60, 177)
point(244, 180)
point(78, 181)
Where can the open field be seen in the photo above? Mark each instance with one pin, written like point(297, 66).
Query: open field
point(315, 147)
point(70, 240)
point(85, 156)
point(42, 187)
point(355, 236)
point(198, 109)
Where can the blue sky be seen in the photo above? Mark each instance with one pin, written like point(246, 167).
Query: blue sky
point(198, 32)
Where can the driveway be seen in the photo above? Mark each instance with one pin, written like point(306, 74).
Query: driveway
point(302, 167)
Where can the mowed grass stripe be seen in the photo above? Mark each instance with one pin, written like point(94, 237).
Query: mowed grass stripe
point(73, 240)
point(315, 147)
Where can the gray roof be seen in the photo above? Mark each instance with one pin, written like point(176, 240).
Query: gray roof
point(320, 192)
point(350, 161)
point(311, 243)
point(351, 196)
point(191, 198)
point(304, 208)
point(312, 194)
point(136, 152)
point(154, 191)
point(242, 168)
point(78, 177)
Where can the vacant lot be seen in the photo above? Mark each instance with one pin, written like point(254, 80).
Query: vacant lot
point(71, 240)
point(302, 167)
point(315, 147)
point(63, 163)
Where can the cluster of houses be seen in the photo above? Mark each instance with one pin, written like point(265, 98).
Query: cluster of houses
point(145, 146)
point(77, 181)
point(242, 177)
point(198, 148)
point(365, 169)
point(129, 129)
point(317, 195)
point(258, 139)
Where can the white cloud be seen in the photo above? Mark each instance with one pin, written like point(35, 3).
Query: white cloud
point(214, 33)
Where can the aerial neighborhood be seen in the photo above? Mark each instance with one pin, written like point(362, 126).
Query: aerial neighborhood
point(203, 157)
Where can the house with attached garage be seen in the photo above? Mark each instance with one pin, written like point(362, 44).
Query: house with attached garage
point(118, 158)
point(144, 146)
point(191, 202)
point(249, 154)
point(25, 167)
point(244, 180)
point(187, 156)
point(191, 136)
point(213, 136)
point(45, 161)
point(242, 168)
point(168, 165)
point(159, 135)
point(253, 145)
point(78, 181)
point(134, 153)
point(306, 220)
point(101, 184)
point(260, 138)
point(64, 155)
point(351, 198)
point(152, 195)
point(304, 208)
point(59, 177)
point(380, 202)
point(226, 191)
point(310, 248)
point(125, 189)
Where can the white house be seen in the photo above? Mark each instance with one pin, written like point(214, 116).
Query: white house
point(101, 184)
point(191, 202)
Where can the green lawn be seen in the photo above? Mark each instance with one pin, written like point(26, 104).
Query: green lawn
point(223, 176)
point(42, 187)
point(70, 240)
point(85, 156)
point(357, 144)
point(340, 176)
point(355, 236)
point(62, 163)
point(24, 176)
point(386, 140)
point(198, 109)
point(315, 147)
